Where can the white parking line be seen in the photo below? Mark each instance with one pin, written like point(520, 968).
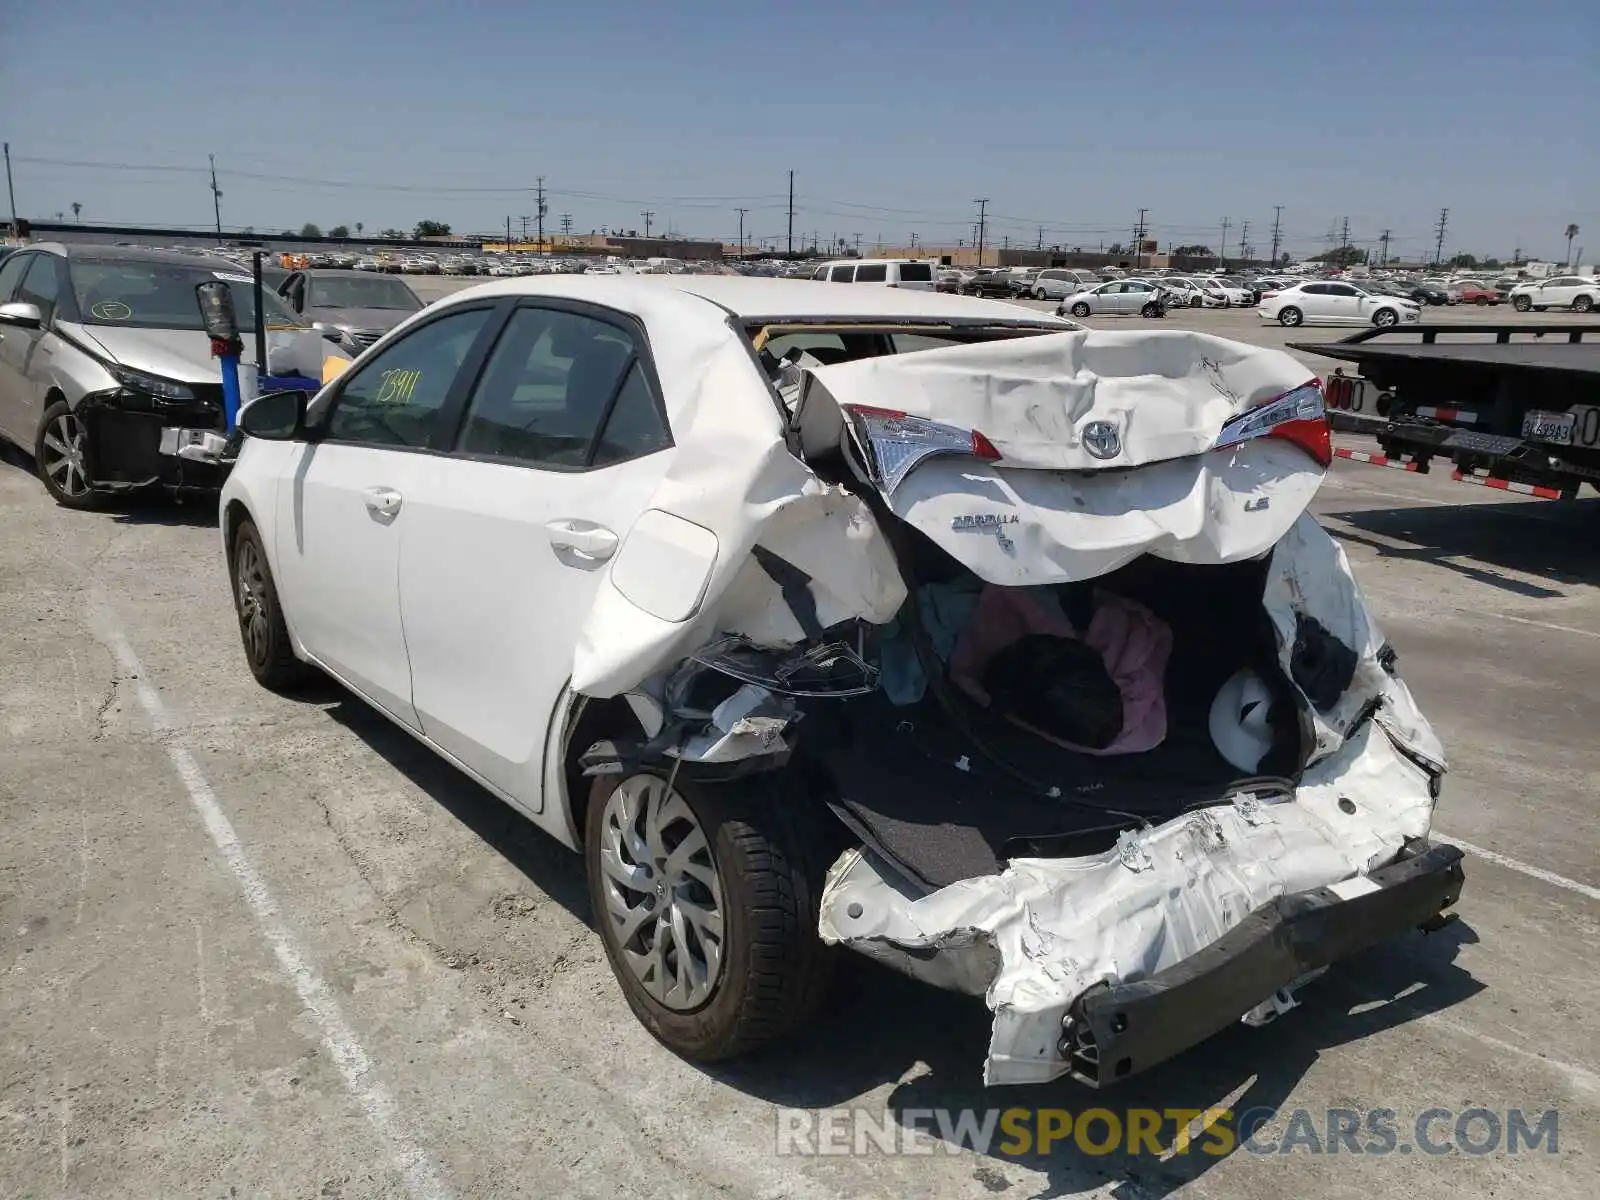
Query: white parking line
point(1500, 616)
point(422, 1179)
point(1514, 864)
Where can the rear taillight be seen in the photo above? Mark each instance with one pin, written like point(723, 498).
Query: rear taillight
point(896, 442)
point(1298, 416)
point(1268, 295)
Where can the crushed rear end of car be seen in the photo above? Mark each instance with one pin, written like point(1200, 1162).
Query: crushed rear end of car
point(1043, 620)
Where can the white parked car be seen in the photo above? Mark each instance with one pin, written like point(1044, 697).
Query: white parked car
point(1232, 291)
point(1335, 303)
point(1004, 652)
point(1580, 293)
point(1196, 293)
point(1128, 296)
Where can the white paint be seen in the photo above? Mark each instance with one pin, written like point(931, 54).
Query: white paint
point(355, 1065)
point(1500, 616)
point(1528, 869)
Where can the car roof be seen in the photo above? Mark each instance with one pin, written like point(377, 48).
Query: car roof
point(755, 298)
point(88, 252)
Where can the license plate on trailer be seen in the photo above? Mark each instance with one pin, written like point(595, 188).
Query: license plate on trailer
point(1548, 427)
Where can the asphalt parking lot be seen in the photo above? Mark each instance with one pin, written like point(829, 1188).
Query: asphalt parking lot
point(267, 947)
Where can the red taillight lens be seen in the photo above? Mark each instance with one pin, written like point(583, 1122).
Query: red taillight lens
point(1298, 416)
point(897, 441)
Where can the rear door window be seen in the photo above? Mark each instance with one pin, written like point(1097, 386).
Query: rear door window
point(916, 273)
point(841, 274)
point(563, 389)
point(872, 273)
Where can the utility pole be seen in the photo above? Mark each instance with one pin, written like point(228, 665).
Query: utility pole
point(11, 191)
point(791, 214)
point(1040, 244)
point(1383, 254)
point(216, 193)
point(857, 238)
point(1138, 238)
point(1277, 224)
point(741, 212)
point(648, 215)
point(1222, 250)
point(508, 233)
point(1438, 245)
point(1344, 234)
point(566, 225)
point(524, 221)
point(540, 208)
point(983, 222)
point(1244, 239)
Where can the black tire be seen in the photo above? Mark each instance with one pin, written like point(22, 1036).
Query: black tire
point(61, 458)
point(262, 630)
point(1583, 304)
point(1386, 318)
point(1481, 301)
point(1151, 310)
point(1290, 316)
point(1080, 309)
point(1038, 294)
point(1521, 303)
point(767, 850)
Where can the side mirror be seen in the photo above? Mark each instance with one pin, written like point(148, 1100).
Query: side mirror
point(275, 416)
point(22, 315)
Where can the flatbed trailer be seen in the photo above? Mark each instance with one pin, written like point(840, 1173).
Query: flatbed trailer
point(1515, 407)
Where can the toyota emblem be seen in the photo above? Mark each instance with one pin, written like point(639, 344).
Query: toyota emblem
point(1101, 439)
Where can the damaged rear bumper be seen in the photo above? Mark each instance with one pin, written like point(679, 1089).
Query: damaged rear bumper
point(1117, 1030)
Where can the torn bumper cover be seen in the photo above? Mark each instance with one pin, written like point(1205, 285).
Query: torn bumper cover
point(137, 441)
point(1189, 901)
point(1117, 1030)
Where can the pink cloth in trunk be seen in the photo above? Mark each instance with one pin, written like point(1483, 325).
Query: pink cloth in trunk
point(1131, 640)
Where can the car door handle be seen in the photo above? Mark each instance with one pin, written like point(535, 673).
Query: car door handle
point(383, 503)
point(583, 538)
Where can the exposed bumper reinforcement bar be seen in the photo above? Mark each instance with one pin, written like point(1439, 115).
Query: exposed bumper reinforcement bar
point(1117, 1030)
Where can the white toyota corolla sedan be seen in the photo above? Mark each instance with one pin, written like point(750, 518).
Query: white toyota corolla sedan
point(1001, 651)
point(1335, 303)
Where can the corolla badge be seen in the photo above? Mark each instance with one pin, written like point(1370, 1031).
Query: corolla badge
point(1101, 439)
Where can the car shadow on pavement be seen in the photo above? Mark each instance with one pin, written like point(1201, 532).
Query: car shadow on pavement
point(930, 1045)
point(1551, 540)
point(555, 870)
point(194, 513)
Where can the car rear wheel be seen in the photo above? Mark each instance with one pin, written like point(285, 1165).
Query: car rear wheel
point(1038, 294)
point(60, 453)
point(1290, 316)
point(1080, 309)
point(261, 625)
point(1521, 303)
point(1385, 318)
point(1583, 304)
point(707, 900)
point(1481, 301)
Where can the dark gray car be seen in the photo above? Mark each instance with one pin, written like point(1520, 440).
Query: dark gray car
point(352, 308)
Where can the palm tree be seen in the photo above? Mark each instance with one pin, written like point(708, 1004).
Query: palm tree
point(359, 228)
point(1572, 232)
point(76, 209)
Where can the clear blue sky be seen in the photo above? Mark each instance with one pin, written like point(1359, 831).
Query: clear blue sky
point(894, 116)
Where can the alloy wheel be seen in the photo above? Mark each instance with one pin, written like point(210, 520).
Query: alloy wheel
point(61, 454)
point(251, 576)
point(662, 895)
